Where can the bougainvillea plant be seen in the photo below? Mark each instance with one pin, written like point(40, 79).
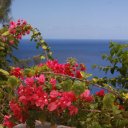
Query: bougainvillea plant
point(10, 36)
point(61, 93)
point(56, 93)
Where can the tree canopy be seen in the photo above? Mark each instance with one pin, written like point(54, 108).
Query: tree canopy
point(5, 10)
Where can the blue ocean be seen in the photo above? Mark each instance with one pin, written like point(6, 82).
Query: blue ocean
point(86, 51)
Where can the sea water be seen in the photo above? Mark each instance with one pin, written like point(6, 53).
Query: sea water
point(85, 51)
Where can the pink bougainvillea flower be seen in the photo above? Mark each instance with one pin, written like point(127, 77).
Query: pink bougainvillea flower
point(41, 79)
point(11, 42)
point(16, 72)
point(7, 122)
point(78, 74)
point(12, 31)
point(54, 94)
point(86, 96)
point(23, 99)
point(41, 102)
point(101, 93)
point(42, 98)
point(82, 67)
point(24, 22)
point(28, 32)
point(17, 110)
point(29, 81)
point(60, 100)
point(53, 83)
point(19, 36)
point(73, 110)
point(12, 25)
point(52, 106)
point(66, 99)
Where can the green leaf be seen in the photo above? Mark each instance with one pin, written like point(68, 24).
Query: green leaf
point(67, 84)
point(42, 41)
point(5, 33)
point(78, 87)
point(108, 101)
point(116, 110)
point(4, 72)
point(44, 47)
point(83, 74)
point(1, 126)
point(104, 56)
point(13, 81)
point(42, 57)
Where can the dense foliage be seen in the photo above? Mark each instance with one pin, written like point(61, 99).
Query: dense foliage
point(59, 93)
point(118, 59)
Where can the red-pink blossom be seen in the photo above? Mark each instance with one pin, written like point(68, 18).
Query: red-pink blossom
point(66, 69)
point(24, 22)
point(42, 99)
point(54, 94)
point(86, 96)
point(41, 79)
point(73, 110)
point(11, 42)
point(78, 74)
point(16, 72)
point(7, 121)
point(17, 111)
point(82, 67)
point(60, 100)
point(52, 106)
point(66, 99)
point(29, 81)
point(23, 99)
point(32, 95)
point(12, 25)
point(53, 83)
point(12, 31)
point(19, 36)
point(41, 102)
point(101, 93)
point(28, 32)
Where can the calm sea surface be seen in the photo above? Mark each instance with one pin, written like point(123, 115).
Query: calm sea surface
point(85, 51)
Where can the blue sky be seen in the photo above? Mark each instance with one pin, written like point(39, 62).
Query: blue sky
point(75, 19)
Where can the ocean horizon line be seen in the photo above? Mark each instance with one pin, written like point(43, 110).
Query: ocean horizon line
point(79, 39)
point(93, 41)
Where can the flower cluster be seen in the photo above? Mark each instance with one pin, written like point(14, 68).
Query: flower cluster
point(101, 93)
point(8, 122)
point(66, 69)
point(55, 67)
point(86, 96)
point(32, 92)
point(62, 100)
point(16, 72)
point(39, 91)
point(32, 96)
point(19, 28)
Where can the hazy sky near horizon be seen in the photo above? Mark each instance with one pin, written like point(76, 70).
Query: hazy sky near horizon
point(75, 19)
